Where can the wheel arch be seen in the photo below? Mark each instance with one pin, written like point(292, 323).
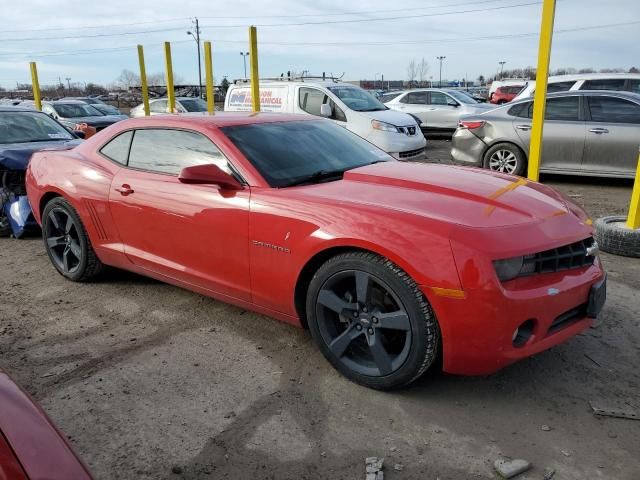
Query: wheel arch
point(504, 140)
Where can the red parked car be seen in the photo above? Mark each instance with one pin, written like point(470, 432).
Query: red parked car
point(387, 263)
point(504, 94)
point(31, 447)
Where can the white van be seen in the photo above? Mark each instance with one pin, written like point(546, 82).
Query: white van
point(629, 82)
point(352, 107)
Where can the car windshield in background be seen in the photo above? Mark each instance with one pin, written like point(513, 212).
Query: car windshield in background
point(23, 127)
point(288, 153)
point(357, 99)
point(107, 109)
point(462, 97)
point(75, 110)
point(194, 105)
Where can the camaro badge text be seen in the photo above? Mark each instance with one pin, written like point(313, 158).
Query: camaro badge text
point(277, 248)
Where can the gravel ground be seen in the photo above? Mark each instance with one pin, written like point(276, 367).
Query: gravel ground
point(151, 381)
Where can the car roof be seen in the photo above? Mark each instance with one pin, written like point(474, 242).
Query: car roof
point(307, 82)
point(217, 119)
point(14, 108)
point(66, 102)
point(591, 76)
point(609, 93)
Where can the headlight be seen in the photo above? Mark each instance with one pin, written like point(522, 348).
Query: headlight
point(509, 268)
point(385, 127)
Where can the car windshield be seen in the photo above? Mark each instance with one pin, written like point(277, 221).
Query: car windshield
point(107, 109)
point(194, 105)
point(23, 127)
point(357, 99)
point(462, 97)
point(288, 153)
point(75, 110)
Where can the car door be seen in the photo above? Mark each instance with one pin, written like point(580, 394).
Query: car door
point(194, 233)
point(443, 111)
point(613, 135)
point(563, 134)
point(415, 103)
point(310, 100)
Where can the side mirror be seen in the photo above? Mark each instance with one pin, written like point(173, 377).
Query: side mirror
point(209, 174)
point(325, 110)
point(453, 103)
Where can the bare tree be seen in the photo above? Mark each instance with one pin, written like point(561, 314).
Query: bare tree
point(423, 70)
point(128, 79)
point(412, 72)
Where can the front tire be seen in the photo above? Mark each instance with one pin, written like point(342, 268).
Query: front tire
point(505, 158)
point(371, 321)
point(67, 242)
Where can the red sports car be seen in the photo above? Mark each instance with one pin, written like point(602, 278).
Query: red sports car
point(31, 447)
point(388, 264)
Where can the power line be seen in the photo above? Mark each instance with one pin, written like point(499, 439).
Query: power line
point(397, 42)
point(175, 19)
point(327, 22)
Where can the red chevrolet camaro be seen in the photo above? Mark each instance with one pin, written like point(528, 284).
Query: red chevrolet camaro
point(390, 265)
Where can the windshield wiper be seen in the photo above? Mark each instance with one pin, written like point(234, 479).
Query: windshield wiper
point(316, 177)
point(376, 109)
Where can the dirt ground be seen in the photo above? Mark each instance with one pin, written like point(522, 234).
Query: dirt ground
point(151, 381)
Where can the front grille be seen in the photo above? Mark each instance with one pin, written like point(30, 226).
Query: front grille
point(566, 257)
point(411, 153)
point(410, 131)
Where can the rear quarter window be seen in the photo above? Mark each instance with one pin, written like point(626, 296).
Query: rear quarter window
point(118, 148)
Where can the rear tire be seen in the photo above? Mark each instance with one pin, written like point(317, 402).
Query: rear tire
point(505, 158)
point(371, 321)
point(67, 242)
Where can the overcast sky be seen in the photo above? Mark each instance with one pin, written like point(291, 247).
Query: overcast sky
point(353, 43)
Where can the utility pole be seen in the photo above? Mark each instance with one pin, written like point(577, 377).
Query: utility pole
point(244, 60)
point(196, 37)
point(68, 79)
point(502, 69)
point(441, 59)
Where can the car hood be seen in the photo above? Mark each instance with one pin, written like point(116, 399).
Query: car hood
point(393, 117)
point(16, 156)
point(456, 195)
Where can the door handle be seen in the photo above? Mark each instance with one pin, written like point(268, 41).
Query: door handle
point(124, 190)
point(599, 130)
point(523, 127)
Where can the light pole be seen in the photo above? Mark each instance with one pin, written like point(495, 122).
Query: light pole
point(244, 58)
point(501, 68)
point(196, 37)
point(375, 80)
point(441, 59)
point(68, 79)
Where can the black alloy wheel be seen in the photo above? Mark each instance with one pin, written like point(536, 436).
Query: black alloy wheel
point(371, 320)
point(67, 242)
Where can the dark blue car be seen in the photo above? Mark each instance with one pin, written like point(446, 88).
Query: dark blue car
point(22, 132)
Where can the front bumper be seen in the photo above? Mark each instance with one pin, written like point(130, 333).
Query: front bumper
point(467, 148)
point(394, 143)
point(478, 330)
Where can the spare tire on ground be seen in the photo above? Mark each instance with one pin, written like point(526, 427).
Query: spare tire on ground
point(614, 236)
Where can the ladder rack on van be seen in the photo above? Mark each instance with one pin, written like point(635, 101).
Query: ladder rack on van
point(290, 78)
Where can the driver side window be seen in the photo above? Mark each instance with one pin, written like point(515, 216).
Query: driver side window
point(159, 106)
point(310, 100)
point(169, 151)
point(415, 98)
point(438, 98)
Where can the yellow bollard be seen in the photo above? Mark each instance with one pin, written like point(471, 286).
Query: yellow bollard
point(208, 72)
point(171, 97)
point(539, 101)
point(35, 85)
point(143, 81)
point(253, 61)
point(633, 220)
